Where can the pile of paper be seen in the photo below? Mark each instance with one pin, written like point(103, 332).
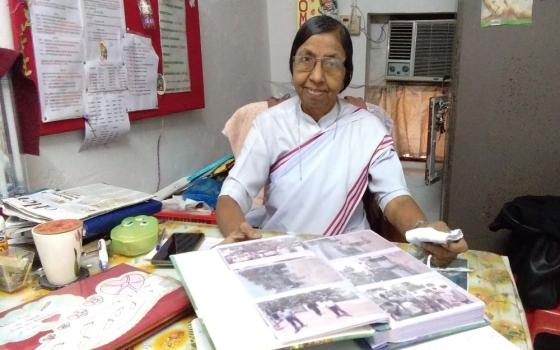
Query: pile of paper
point(18, 231)
point(81, 203)
point(76, 203)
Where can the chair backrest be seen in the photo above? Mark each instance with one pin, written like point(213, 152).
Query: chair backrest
point(238, 125)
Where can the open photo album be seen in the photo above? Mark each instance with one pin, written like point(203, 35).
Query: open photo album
point(282, 292)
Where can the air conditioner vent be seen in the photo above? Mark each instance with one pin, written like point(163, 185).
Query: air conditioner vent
point(400, 42)
point(420, 50)
point(434, 49)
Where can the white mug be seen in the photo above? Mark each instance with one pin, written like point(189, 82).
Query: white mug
point(59, 244)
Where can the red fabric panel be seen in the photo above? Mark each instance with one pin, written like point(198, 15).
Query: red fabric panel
point(7, 59)
point(26, 101)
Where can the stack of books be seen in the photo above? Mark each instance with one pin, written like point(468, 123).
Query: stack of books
point(100, 206)
point(282, 292)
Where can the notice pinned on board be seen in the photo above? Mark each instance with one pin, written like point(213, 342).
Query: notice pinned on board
point(142, 62)
point(174, 51)
point(106, 73)
point(506, 12)
point(59, 57)
point(106, 119)
point(104, 27)
point(87, 65)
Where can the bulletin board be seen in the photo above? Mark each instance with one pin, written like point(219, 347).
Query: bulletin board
point(167, 103)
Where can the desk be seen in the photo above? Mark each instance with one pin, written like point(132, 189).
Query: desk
point(490, 281)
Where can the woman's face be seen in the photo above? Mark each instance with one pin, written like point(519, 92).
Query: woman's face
point(318, 88)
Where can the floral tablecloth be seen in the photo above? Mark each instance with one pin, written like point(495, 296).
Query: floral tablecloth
point(490, 280)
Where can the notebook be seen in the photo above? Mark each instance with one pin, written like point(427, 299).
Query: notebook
point(114, 309)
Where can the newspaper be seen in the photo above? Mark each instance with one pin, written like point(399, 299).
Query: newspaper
point(80, 203)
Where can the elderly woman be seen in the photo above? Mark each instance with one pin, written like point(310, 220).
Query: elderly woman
point(317, 154)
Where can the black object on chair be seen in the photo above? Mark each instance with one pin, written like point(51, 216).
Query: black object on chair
point(534, 247)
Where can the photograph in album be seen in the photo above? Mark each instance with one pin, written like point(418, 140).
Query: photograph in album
point(286, 275)
point(420, 296)
point(318, 311)
point(246, 252)
point(377, 267)
point(342, 246)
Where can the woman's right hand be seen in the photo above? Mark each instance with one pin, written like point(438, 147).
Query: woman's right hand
point(244, 232)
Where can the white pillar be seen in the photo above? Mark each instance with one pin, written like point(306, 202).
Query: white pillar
point(6, 40)
point(11, 163)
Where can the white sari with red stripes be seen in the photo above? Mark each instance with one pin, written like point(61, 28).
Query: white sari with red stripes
point(317, 186)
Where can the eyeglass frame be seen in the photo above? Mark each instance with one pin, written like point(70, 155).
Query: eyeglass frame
point(340, 67)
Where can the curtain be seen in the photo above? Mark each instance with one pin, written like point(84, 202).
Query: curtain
point(409, 106)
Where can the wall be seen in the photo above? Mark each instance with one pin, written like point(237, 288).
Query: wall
point(236, 68)
point(282, 27)
point(506, 122)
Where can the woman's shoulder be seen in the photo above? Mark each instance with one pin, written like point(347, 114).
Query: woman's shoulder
point(369, 121)
point(278, 113)
point(382, 115)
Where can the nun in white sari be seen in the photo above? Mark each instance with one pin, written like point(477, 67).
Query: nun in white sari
point(316, 155)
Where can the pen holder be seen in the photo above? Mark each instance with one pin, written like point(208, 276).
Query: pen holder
point(15, 267)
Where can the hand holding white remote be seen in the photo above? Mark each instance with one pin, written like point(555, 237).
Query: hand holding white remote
point(431, 235)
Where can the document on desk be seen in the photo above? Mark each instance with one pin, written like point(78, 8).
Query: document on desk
point(75, 203)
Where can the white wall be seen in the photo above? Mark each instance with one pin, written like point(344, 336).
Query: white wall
point(236, 70)
point(245, 49)
point(282, 26)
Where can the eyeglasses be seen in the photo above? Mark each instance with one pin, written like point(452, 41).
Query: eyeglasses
point(328, 64)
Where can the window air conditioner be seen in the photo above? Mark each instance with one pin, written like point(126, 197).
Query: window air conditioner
point(420, 50)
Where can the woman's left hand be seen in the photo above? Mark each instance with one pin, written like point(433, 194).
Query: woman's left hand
point(443, 254)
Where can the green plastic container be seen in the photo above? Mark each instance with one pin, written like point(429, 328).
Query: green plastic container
point(135, 235)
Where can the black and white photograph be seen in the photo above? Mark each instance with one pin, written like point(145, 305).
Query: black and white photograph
point(406, 300)
point(347, 245)
point(260, 249)
point(378, 268)
point(286, 275)
point(318, 311)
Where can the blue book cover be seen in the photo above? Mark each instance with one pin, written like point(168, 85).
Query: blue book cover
point(102, 224)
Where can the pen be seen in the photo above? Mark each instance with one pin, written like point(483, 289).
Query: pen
point(453, 269)
point(161, 239)
point(103, 256)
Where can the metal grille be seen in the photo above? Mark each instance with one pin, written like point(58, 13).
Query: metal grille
point(434, 48)
point(400, 42)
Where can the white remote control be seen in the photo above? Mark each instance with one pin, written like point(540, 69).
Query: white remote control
point(431, 235)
